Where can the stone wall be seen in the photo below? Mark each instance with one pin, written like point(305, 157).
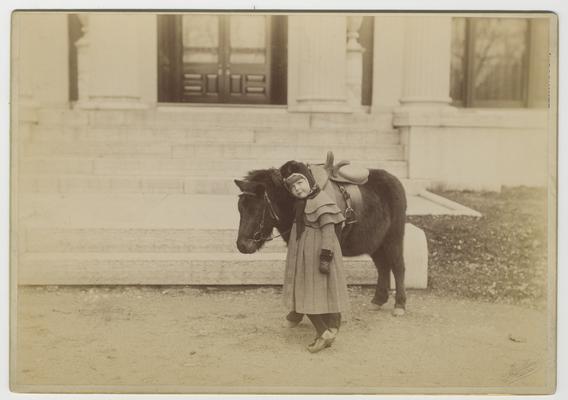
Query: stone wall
point(478, 149)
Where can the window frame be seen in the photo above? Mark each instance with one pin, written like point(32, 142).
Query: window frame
point(467, 88)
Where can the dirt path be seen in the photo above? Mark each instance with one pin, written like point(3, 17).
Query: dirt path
point(196, 340)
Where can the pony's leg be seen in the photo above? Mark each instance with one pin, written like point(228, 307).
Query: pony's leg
point(396, 257)
point(383, 281)
point(390, 257)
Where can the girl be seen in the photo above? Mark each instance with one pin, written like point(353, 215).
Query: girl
point(314, 282)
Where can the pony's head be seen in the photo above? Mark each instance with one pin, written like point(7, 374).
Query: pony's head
point(258, 209)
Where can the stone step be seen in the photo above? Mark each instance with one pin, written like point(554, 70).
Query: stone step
point(175, 239)
point(170, 167)
point(351, 121)
point(149, 184)
point(149, 241)
point(156, 239)
point(213, 117)
point(178, 116)
point(137, 240)
point(169, 269)
point(142, 241)
point(185, 269)
point(143, 134)
point(128, 214)
point(188, 136)
point(208, 152)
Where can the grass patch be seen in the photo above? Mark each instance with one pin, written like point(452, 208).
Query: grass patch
point(501, 256)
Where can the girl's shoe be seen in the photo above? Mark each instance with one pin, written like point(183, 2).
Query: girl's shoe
point(325, 340)
point(293, 319)
point(334, 332)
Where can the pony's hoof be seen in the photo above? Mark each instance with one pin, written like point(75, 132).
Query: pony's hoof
point(398, 312)
point(375, 307)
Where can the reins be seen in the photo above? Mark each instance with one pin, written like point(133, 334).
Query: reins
point(257, 236)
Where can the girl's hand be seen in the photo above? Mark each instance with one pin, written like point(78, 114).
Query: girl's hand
point(325, 259)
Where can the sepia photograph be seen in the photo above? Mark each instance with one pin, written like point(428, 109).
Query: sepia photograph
point(291, 202)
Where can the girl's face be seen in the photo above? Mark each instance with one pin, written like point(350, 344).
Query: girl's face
point(300, 189)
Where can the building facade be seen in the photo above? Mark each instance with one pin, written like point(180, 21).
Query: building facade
point(130, 128)
point(468, 96)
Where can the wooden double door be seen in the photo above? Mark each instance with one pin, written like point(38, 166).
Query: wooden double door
point(212, 58)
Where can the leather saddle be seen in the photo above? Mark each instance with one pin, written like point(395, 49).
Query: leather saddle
point(344, 172)
point(342, 182)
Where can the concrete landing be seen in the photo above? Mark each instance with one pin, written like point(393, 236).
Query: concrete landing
point(171, 210)
point(85, 239)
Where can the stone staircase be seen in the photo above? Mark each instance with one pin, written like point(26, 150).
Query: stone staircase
point(147, 196)
point(190, 152)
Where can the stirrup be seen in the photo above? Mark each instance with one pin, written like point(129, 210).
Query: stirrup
point(350, 216)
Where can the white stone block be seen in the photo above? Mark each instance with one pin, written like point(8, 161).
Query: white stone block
point(415, 258)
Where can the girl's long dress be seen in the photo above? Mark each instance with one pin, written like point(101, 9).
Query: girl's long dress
point(306, 289)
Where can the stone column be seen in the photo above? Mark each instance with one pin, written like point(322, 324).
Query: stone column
point(354, 62)
point(388, 62)
point(41, 56)
point(112, 61)
point(427, 51)
point(426, 66)
point(23, 78)
point(317, 63)
point(425, 100)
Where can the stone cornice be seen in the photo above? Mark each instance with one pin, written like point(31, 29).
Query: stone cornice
point(470, 118)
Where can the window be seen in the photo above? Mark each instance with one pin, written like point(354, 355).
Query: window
point(366, 40)
point(498, 62)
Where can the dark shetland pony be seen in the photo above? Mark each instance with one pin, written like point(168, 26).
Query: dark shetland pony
point(265, 204)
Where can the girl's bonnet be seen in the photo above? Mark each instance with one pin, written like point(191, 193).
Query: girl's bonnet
point(292, 171)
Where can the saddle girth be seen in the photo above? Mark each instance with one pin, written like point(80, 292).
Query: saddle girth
point(349, 213)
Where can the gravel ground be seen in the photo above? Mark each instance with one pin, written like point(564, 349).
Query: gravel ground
point(501, 256)
point(183, 339)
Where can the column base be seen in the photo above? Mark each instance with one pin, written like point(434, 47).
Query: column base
point(423, 114)
point(321, 106)
point(421, 101)
point(111, 104)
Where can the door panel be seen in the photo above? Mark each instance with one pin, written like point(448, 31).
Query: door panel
point(221, 58)
point(248, 58)
point(202, 59)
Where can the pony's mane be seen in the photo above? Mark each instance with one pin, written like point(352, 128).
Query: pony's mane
point(269, 177)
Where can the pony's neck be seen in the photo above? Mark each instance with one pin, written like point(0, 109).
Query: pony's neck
point(285, 204)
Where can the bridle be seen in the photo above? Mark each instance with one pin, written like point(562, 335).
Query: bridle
point(257, 236)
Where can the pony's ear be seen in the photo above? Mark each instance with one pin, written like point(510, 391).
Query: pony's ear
point(241, 184)
point(250, 187)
